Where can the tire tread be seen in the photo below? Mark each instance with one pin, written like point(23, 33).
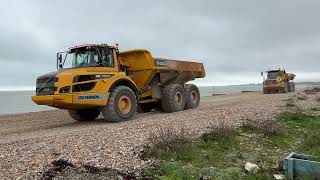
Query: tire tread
point(109, 112)
point(168, 101)
point(189, 103)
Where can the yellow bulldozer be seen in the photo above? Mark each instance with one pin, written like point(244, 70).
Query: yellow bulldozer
point(94, 79)
point(278, 81)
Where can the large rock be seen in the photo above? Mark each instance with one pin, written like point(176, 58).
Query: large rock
point(279, 176)
point(252, 168)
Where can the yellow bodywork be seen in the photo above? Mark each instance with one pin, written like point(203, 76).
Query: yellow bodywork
point(279, 82)
point(141, 65)
point(71, 100)
point(141, 69)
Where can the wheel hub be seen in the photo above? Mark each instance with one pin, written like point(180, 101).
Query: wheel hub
point(194, 96)
point(124, 104)
point(178, 98)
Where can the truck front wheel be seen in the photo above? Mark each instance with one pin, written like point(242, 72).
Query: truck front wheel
point(122, 105)
point(173, 98)
point(285, 89)
point(193, 96)
point(84, 115)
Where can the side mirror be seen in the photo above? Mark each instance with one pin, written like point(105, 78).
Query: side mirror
point(60, 65)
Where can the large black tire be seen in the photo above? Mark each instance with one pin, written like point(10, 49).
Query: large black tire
point(289, 87)
point(192, 96)
point(293, 87)
point(122, 104)
point(84, 115)
point(145, 107)
point(285, 89)
point(173, 98)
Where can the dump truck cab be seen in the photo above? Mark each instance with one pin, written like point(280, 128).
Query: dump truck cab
point(278, 81)
point(97, 78)
point(85, 74)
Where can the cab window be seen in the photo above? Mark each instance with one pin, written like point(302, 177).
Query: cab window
point(107, 55)
point(88, 58)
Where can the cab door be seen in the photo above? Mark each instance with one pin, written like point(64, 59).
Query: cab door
point(108, 69)
point(109, 62)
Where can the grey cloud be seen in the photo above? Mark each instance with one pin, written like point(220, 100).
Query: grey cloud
point(232, 37)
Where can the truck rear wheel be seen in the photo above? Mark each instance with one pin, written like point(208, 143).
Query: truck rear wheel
point(192, 96)
point(293, 86)
point(173, 98)
point(289, 87)
point(84, 115)
point(122, 105)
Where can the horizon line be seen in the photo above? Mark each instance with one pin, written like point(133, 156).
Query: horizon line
point(32, 88)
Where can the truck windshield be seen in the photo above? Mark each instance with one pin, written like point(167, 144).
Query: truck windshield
point(273, 74)
point(87, 58)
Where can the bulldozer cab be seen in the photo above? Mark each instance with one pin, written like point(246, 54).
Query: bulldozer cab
point(87, 56)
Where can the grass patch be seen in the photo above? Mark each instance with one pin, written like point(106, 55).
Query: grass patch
point(308, 127)
point(219, 130)
point(166, 138)
point(267, 128)
point(222, 152)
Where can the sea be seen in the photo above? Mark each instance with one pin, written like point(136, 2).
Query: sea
point(12, 102)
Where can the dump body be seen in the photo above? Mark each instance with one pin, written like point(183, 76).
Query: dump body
point(291, 76)
point(143, 67)
point(278, 81)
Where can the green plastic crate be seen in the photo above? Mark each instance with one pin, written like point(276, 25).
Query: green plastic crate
point(299, 166)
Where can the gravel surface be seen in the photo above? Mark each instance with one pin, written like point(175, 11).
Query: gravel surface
point(32, 141)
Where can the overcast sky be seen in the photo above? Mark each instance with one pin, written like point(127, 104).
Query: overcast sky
point(236, 40)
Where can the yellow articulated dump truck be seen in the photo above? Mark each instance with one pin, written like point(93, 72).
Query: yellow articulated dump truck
point(278, 81)
point(97, 78)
